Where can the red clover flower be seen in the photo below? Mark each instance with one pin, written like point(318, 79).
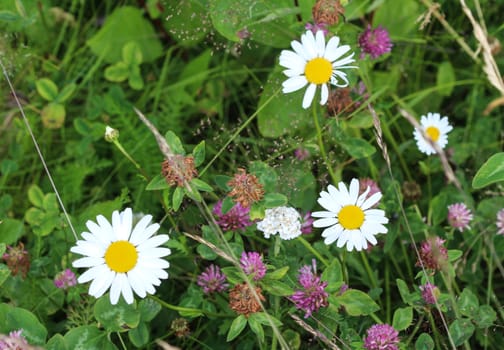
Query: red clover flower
point(433, 254)
point(459, 216)
point(381, 337)
point(375, 42)
point(252, 264)
point(313, 295)
point(237, 218)
point(212, 280)
point(430, 293)
point(65, 279)
point(500, 222)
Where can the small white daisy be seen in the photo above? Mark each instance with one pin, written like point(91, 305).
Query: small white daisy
point(436, 128)
point(314, 63)
point(285, 221)
point(350, 218)
point(120, 258)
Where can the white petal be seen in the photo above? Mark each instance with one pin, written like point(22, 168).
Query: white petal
point(342, 76)
point(152, 242)
point(300, 50)
point(375, 198)
point(325, 222)
point(327, 202)
point(126, 289)
point(91, 274)
point(362, 198)
point(294, 84)
point(106, 228)
point(331, 52)
point(115, 289)
point(354, 191)
point(344, 61)
point(136, 283)
point(123, 230)
point(155, 252)
point(336, 53)
point(320, 43)
point(343, 238)
point(138, 231)
point(323, 214)
point(324, 95)
point(308, 41)
point(88, 261)
point(88, 249)
point(100, 285)
point(292, 60)
point(308, 96)
point(99, 233)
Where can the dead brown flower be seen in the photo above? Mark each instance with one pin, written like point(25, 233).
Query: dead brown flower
point(178, 169)
point(340, 101)
point(243, 301)
point(17, 260)
point(327, 11)
point(246, 188)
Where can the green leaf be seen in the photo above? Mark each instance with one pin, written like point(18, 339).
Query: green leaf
point(186, 21)
point(237, 326)
point(11, 230)
point(424, 342)
point(116, 318)
point(402, 318)
point(14, 318)
point(461, 330)
point(178, 196)
point(267, 175)
point(126, 24)
point(446, 78)
point(272, 200)
point(406, 296)
point(193, 193)
point(358, 148)
point(221, 181)
point(131, 54)
point(333, 275)
point(199, 153)
point(292, 338)
point(65, 94)
point(454, 254)
point(57, 342)
point(88, 338)
point(174, 142)
point(135, 80)
point(278, 288)
point(362, 120)
point(53, 115)
point(148, 309)
point(201, 185)
point(47, 89)
point(256, 327)
point(195, 72)
point(277, 274)
point(36, 196)
point(490, 172)
point(9, 16)
point(4, 272)
point(266, 319)
point(117, 72)
point(398, 17)
point(357, 303)
point(485, 317)
point(139, 336)
point(158, 182)
point(468, 303)
point(227, 204)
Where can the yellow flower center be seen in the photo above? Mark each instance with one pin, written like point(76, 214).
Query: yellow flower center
point(433, 133)
point(318, 71)
point(121, 256)
point(351, 217)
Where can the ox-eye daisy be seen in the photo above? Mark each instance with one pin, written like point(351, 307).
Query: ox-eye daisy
point(350, 218)
point(120, 258)
point(437, 130)
point(315, 63)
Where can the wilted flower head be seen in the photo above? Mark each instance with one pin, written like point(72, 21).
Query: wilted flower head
point(14, 341)
point(237, 218)
point(327, 11)
point(375, 42)
point(433, 254)
point(178, 170)
point(244, 301)
point(252, 264)
point(313, 295)
point(212, 280)
point(381, 337)
point(430, 293)
point(340, 101)
point(411, 191)
point(500, 222)
point(307, 223)
point(180, 327)
point(459, 216)
point(285, 221)
point(65, 279)
point(17, 259)
point(245, 188)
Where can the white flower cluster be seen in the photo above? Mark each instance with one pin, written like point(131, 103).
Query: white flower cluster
point(285, 221)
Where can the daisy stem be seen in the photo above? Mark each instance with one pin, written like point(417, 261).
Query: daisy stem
point(313, 251)
point(371, 276)
point(121, 340)
point(127, 155)
point(321, 144)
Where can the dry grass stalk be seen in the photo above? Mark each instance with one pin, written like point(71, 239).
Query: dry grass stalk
point(379, 135)
point(212, 246)
point(315, 333)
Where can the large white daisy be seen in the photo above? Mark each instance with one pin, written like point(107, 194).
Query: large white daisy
point(437, 130)
point(350, 218)
point(120, 258)
point(314, 63)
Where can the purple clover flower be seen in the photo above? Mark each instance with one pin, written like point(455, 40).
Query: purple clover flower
point(65, 279)
point(13, 341)
point(429, 293)
point(252, 264)
point(301, 153)
point(433, 254)
point(459, 216)
point(212, 280)
point(307, 223)
point(366, 182)
point(313, 295)
point(381, 337)
point(500, 222)
point(316, 27)
point(375, 42)
point(235, 219)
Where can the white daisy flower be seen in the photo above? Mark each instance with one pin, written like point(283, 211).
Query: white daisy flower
point(350, 218)
point(436, 128)
point(120, 258)
point(285, 221)
point(314, 63)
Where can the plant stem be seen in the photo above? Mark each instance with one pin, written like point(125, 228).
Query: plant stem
point(321, 145)
point(313, 251)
